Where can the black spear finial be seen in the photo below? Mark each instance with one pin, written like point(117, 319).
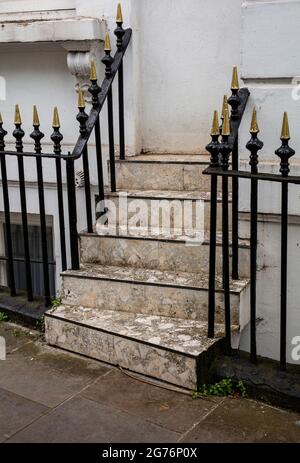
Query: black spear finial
point(234, 99)
point(94, 88)
point(225, 147)
point(254, 144)
point(36, 135)
point(119, 31)
point(107, 60)
point(56, 136)
point(82, 116)
point(285, 152)
point(18, 133)
point(214, 146)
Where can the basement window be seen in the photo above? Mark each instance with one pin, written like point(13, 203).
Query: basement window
point(35, 246)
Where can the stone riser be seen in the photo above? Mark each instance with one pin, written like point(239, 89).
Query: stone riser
point(158, 176)
point(145, 298)
point(106, 347)
point(154, 254)
point(172, 219)
point(158, 361)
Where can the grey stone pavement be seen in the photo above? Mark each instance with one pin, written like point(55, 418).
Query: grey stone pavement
point(47, 395)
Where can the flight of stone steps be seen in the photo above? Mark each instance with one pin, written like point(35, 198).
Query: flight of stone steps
point(140, 298)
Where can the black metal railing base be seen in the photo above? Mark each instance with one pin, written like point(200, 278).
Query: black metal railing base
point(263, 381)
point(19, 310)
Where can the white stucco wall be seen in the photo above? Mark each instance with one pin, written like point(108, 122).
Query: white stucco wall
point(177, 69)
point(269, 64)
point(180, 66)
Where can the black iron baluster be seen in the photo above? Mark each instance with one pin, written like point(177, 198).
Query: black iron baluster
point(57, 138)
point(254, 145)
point(108, 60)
point(82, 117)
point(72, 214)
point(225, 107)
point(95, 90)
point(284, 152)
point(234, 102)
point(119, 32)
point(225, 150)
point(213, 148)
point(10, 262)
point(37, 135)
point(18, 133)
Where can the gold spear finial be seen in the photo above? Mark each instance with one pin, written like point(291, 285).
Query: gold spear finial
point(235, 79)
point(225, 106)
point(107, 45)
point(17, 115)
point(1, 120)
point(81, 102)
point(215, 129)
point(93, 73)
point(254, 126)
point(285, 132)
point(226, 124)
point(55, 124)
point(36, 120)
point(119, 14)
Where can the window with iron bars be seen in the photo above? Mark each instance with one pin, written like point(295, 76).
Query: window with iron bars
point(35, 245)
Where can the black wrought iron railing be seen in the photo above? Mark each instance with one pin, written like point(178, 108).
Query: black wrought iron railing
point(219, 168)
point(88, 124)
point(220, 156)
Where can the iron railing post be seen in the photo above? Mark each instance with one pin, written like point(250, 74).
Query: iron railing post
point(37, 135)
point(18, 133)
point(213, 148)
point(72, 214)
point(285, 153)
point(225, 150)
point(235, 102)
point(9, 248)
point(254, 145)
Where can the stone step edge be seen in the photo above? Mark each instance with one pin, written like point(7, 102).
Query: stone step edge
point(219, 329)
point(82, 274)
point(135, 160)
point(243, 242)
point(161, 195)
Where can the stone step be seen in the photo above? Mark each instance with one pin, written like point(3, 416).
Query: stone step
point(184, 211)
point(158, 252)
point(175, 351)
point(163, 172)
point(152, 292)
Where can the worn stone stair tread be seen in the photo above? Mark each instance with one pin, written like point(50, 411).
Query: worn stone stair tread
point(144, 234)
point(153, 277)
point(185, 336)
point(169, 158)
point(166, 194)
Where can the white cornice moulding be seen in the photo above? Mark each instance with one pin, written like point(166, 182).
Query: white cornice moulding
point(82, 38)
point(60, 30)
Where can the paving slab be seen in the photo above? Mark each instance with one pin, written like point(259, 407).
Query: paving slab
point(45, 375)
point(16, 336)
point(16, 413)
point(82, 420)
point(172, 410)
point(238, 421)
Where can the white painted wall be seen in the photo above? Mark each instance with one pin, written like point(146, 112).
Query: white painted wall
point(269, 63)
point(177, 69)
